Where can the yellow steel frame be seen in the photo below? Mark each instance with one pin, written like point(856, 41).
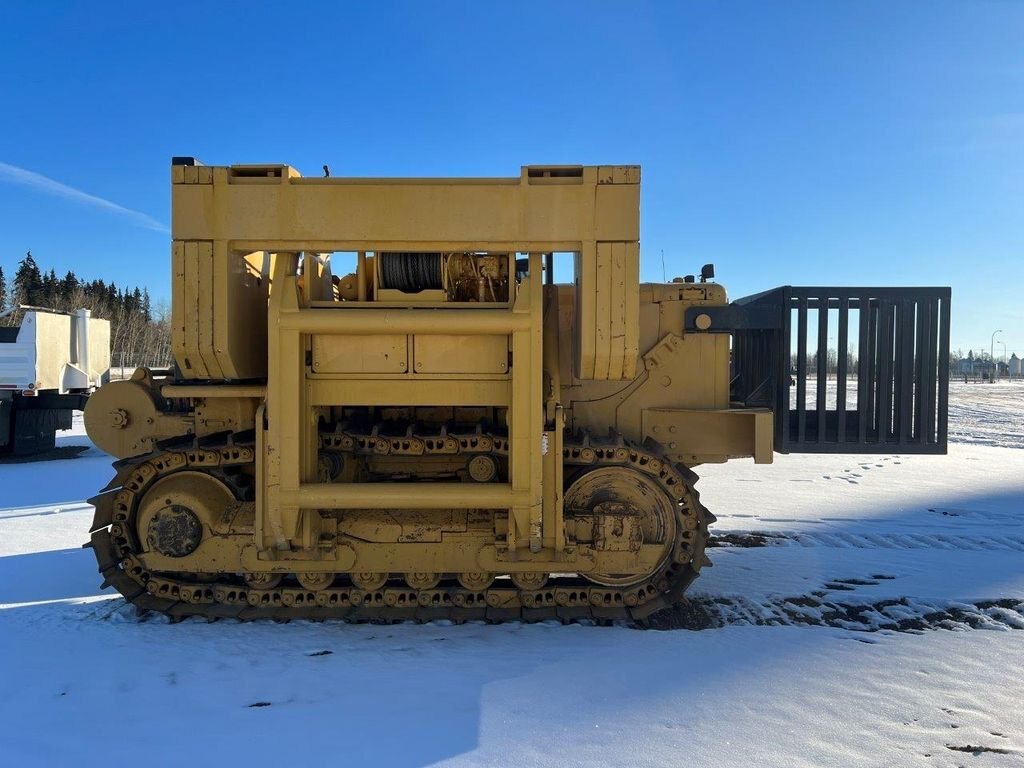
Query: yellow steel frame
point(592, 211)
point(292, 396)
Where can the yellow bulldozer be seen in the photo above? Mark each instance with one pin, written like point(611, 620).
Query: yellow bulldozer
point(384, 407)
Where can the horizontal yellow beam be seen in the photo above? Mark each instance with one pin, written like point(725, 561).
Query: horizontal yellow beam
point(409, 391)
point(404, 496)
point(698, 436)
point(362, 322)
point(246, 245)
point(214, 390)
point(596, 205)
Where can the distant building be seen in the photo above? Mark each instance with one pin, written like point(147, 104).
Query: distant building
point(970, 366)
point(975, 366)
point(1014, 365)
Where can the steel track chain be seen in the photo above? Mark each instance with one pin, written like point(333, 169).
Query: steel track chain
point(566, 598)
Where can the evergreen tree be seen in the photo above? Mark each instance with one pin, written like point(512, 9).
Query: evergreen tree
point(68, 289)
point(50, 290)
point(28, 282)
point(3, 290)
point(147, 308)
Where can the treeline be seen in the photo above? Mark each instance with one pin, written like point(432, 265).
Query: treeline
point(140, 334)
point(831, 361)
point(957, 362)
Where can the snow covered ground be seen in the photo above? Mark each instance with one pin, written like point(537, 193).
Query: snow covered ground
point(862, 611)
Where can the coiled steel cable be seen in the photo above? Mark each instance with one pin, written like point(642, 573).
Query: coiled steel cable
point(411, 272)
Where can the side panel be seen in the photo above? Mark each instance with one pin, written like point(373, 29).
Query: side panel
point(99, 351)
point(240, 312)
point(360, 354)
point(218, 311)
point(52, 347)
point(460, 354)
point(18, 358)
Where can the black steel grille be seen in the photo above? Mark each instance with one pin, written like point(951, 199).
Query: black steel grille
point(890, 372)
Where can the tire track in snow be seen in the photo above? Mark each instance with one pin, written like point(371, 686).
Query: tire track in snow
point(898, 614)
point(847, 540)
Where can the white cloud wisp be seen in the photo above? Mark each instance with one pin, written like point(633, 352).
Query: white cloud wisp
point(48, 186)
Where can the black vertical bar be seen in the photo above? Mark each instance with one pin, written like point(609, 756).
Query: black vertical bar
point(943, 352)
point(759, 372)
point(897, 363)
point(905, 396)
point(933, 382)
point(755, 369)
point(549, 271)
point(743, 348)
point(841, 363)
point(822, 372)
point(863, 359)
point(801, 370)
point(875, 322)
point(927, 322)
point(736, 384)
point(885, 373)
point(920, 323)
point(784, 367)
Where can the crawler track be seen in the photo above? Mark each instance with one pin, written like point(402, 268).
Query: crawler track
point(565, 597)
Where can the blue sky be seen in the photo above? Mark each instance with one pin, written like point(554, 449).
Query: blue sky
point(797, 142)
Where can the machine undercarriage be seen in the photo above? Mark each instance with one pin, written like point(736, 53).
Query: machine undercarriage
point(621, 499)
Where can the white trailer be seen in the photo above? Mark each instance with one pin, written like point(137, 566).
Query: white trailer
point(48, 367)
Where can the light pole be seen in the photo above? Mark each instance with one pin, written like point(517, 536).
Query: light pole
point(1004, 355)
point(992, 356)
